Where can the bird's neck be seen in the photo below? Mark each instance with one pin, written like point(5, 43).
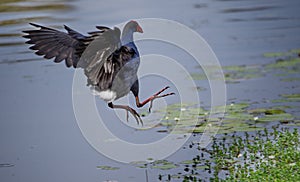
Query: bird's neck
point(127, 38)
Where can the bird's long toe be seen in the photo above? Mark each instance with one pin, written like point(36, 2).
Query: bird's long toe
point(135, 115)
point(156, 96)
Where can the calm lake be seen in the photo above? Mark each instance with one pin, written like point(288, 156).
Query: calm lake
point(39, 137)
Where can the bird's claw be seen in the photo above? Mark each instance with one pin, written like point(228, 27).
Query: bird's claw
point(155, 96)
point(152, 98)
point(135, 115)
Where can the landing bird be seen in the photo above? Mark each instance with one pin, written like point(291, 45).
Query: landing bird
point(110, 60)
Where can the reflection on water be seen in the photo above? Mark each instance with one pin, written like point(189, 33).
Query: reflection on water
point(15, 14)
point(247, 9)
point(257, 19)
point(30, 10)
point(6, 165)
point(31, 5)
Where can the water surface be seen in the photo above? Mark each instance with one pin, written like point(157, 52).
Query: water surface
point(39, 136)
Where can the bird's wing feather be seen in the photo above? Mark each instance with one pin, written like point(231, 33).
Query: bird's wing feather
point(113, 65)
point(100, 54)
point(52, 43)
point(97, 60)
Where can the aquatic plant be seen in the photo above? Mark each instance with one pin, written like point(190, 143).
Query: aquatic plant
point(268, 155)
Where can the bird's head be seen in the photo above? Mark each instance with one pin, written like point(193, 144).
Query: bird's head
point(128, 30)
point(134, 26)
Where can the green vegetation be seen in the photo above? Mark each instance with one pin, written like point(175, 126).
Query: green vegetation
point(282, 54)
point(107, 168)
point(274, 158)
point(255, 142)
point(242, 116)
point(286, 66)
point(268, 155)
point(163, 165)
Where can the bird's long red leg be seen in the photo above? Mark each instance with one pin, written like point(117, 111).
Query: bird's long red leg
point(128, 109)
point(150, 99)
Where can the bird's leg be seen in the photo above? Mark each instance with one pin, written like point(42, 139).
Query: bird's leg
point(151, 99)
point(128, 109)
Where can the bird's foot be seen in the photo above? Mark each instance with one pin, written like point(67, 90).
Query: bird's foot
point(134, 114)
point(156, 96)
point(128, 109)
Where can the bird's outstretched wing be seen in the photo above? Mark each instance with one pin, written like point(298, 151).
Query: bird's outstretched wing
point(52, 43)
point(100, 53)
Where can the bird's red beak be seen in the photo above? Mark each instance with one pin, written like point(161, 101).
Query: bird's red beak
point(139, 29)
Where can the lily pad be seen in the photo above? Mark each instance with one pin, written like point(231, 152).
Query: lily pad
point(242, 72)
point(275, 54)
point(274, 111)
point(291, 96)
point(187, 162)
point(268, 111)
point(293, 79)
point(284, 63)
point(276, 117)
point(108, 168)
point(281, 100)
point(237, 117)
point(183, 115)
point(163, 165)
point(198, 76)
point(288, 98)
point(235, 77)
point(294, 123)
point(282, 54)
